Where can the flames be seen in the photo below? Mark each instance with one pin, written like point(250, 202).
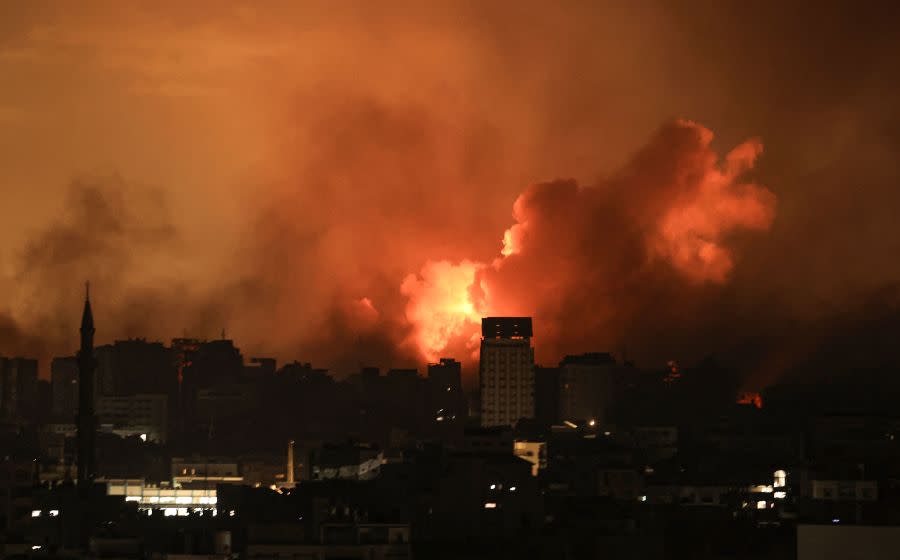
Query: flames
point(585, 251)
point(441, 307)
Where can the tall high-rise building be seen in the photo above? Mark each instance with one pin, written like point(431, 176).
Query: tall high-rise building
point(135, 366)
point(87, 422)
point(506, 370)
point(64, 387)
point(546, 395)
point(445, 390)
point(18, 387)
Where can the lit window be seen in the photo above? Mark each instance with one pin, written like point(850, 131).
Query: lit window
point(54, 512)
point(780, 479)
point(35, 513)
point(761, 504)
point(490, 505)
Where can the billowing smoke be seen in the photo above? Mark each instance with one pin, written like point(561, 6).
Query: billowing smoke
point(122, 238)
point(583, 260)
point(336, 186)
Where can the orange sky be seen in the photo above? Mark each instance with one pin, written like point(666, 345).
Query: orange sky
point(275, 162)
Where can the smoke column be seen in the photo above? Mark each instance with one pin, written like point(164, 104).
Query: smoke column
point(578, 258)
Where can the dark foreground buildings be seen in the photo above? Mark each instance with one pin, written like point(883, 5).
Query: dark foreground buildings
point(145, 450)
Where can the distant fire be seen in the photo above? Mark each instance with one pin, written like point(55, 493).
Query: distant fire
point(577, 251)
point(440, 305)
point(750, 398)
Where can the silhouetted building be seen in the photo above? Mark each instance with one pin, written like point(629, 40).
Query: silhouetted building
point(213, 362)
point(506, 370)
point(64, 387)
point(133, 366)
point(445, 390)
point(87, 422)
point(206, 367)
point(143, 415)
point(586, 385)
point(546, 395)
point(18, 388)
point(350, 462)
point(260, 367)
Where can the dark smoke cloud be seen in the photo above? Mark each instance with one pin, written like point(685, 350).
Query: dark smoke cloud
point(405, 134)
point(612, 264)
point(121, 238)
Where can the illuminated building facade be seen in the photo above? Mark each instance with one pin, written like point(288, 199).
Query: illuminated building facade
point(169, 501)
point(506, 370)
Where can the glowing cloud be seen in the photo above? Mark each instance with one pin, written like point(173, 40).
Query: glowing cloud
point(577, 258)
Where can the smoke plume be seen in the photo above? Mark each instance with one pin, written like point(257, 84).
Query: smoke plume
point(582, 260)
point(348, 186)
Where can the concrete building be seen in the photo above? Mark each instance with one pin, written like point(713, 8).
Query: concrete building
point(506, 370)
point(18, 387)
point(140, 414)
point(205, 472)
point(347, 462)
point(371, 541)
point(445, 391)
point(657, 442)
point(64, 387)
point(133, 366)
point(535, 452)
point(170, 501)
point(585, 387)
point(546, 395)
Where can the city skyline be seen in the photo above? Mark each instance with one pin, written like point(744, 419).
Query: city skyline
point(362, 223)
point(449, 280)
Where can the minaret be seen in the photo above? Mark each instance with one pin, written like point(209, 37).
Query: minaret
point(290, 464)
point(86, 422)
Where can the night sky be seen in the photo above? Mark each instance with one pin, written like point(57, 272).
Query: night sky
point(358, 183)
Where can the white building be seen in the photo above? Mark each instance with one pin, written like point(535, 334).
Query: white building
point(167, 500)
point(506, 370)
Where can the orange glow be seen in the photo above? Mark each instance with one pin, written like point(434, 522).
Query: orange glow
point(689, 234)
point(677, 193)
point(750, 398)
point(440, 306)
point(509, 243)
